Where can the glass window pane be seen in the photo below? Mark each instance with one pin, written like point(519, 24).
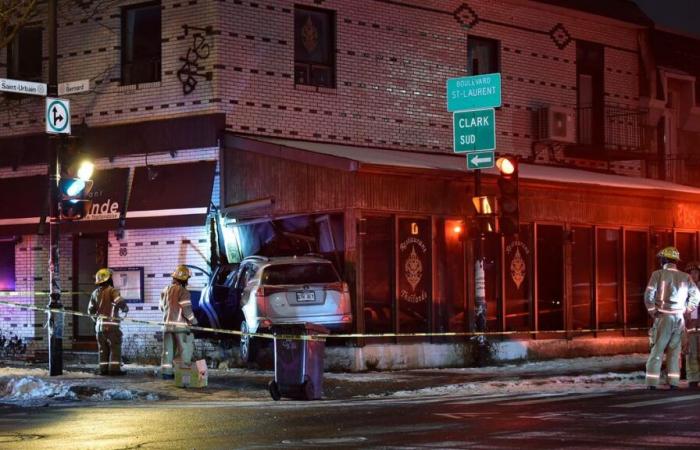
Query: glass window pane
point(7, 266)
point(518, 273)
point(550, 277)
point(636, 277)
point(299, 274)
point(609, 305)
point(482, 55)
point(415, 275)
point(685, 242)
point(378, 274)
point(582, 278)
point(492, 271)
point(452, 315)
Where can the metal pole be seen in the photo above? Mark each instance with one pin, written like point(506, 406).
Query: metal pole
point(479, 276)
point(55, 325)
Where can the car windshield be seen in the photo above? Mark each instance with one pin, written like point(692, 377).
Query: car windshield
point(299, 274)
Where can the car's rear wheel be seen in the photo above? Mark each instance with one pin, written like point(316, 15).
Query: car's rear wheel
point(247, 345)
point(274, 390)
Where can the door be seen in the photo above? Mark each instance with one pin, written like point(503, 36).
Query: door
point(89, 255)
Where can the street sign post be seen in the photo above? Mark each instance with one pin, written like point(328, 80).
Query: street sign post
point(22, 87)
point(474, 130)
point(73, 87)
point(480, 160)
point(57, 116)
point(475, 92)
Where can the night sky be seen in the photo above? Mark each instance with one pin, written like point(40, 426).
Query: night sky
point(682, 15)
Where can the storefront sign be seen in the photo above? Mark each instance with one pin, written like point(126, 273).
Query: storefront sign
point(108, 194)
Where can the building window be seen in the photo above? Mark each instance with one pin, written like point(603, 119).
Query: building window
point(609, 277)
point(636, 277)
point(590, 60)
point(24, 55)
point(314, 47)
point(550, 277)
point(141, 53)
point(482, 56)
point(582, 278)
point(378, 274)
point(7, 265)
point(518, 283)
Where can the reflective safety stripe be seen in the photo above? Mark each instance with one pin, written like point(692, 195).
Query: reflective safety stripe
point(674, 375)
point(118, 298)
point(671, 311)
point(652, 376)
point(104, 363)
point(185, 302)
point(650, 309)
point(166, 365)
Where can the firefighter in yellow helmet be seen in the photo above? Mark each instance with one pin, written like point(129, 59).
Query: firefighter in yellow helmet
point(692, 356)
point(669, 294)
point(178, 342)
point(106, 302)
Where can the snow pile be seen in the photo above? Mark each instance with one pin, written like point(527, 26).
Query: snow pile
point(570, 384)
point(32, 388)
point(122, 394)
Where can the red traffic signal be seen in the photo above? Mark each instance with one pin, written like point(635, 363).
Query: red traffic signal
point(509, 214)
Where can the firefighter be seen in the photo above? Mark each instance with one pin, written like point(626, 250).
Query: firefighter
point(178, 342)
point(106, 302)
point(692, 353)
point(669, 294)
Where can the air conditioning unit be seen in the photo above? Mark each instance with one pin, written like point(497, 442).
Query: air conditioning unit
point(557, 124)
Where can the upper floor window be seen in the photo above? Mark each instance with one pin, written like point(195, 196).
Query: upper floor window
point(482, 55)
point(7, 266)
point(24, 55)
point(590, 61)
point(141, 53)
point(314, 47)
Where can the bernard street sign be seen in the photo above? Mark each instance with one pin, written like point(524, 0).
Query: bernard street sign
point(22, 87)
point(73, 87)
point(475, 92)
point(57, 116)
point(474, 130)
point(480, 160)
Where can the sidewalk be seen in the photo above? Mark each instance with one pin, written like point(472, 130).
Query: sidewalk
point(30, 385)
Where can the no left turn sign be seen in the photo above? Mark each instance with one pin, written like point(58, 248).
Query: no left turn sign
point(57, 116)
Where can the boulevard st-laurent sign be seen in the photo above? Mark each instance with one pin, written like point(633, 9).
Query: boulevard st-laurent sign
point(475, 92)
point(474, 130)
point(22, 87)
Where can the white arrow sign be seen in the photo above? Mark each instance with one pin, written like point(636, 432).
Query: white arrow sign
point(57, 116)
point(477, 160)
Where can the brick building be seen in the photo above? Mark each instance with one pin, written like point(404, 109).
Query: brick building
point(328, 120)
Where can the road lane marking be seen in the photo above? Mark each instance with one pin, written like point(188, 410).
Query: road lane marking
point(502, 397)
point(554, 399)
point(661, 401)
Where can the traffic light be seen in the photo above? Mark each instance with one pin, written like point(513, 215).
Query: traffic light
point(508, 186)
point(74, 188)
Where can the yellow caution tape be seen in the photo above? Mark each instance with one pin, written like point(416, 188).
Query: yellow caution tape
point(312, 337)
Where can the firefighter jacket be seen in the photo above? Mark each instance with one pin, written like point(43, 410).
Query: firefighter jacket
point(177, 308)
point(671, 291)
point(106, 301)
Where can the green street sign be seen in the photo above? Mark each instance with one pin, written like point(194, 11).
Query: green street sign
point(480, 160)
point(475, 92)
point(474, 130)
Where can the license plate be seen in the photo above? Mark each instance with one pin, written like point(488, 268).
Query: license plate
point(306, 297)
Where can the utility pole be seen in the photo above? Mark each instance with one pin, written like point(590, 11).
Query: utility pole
point(55, 320)
point(479, 276)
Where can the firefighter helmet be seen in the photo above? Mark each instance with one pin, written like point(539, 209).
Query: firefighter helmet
point(692, 265)
point(182, 273)
point(103, 275)
point(669, 253)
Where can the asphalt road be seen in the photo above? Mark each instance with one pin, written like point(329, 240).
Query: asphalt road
point(634, 419)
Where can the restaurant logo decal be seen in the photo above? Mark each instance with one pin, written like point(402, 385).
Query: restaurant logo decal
point(517, 253)
point(414, 256)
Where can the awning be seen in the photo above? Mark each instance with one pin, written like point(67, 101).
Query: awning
point(368, 158)
point(171, 195)
point(24, 198)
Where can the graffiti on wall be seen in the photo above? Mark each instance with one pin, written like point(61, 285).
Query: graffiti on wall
point(199, 50)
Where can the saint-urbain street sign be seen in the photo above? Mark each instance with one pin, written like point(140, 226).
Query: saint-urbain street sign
point(475, 92)
point(474, 130)
point(22, 87)
point(57, 116)
point(480, 160)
